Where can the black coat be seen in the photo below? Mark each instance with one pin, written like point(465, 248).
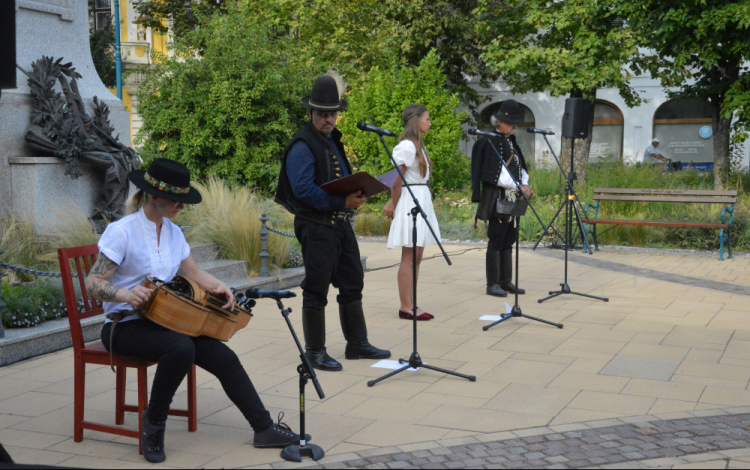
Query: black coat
point(486, 168)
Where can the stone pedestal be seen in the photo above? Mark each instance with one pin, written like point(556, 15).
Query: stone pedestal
point(57, 28)
point(43, 194)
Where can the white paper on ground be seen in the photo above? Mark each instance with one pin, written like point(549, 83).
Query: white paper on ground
point(508, 308)
point(390, 364)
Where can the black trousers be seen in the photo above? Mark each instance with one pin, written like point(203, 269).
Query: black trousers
point(501, 234)
point(175, 354)
point(331, 256)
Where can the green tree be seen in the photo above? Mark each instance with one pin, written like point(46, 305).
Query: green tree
point(702, 47)
point(571, 47)
point(380, 96)
point(102, 52)
point(447, 27)
point(184, 15)
point(230, 112)
point(353, 37)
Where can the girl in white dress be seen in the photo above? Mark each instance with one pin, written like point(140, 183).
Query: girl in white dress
point(415, 165)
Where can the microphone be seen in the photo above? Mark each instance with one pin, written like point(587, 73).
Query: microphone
point(534, 130)
point(478, 132)
point(363, 126)
point(269, 294)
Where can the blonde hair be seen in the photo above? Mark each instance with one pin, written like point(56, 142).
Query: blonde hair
point(412, 114)
point(135, 202)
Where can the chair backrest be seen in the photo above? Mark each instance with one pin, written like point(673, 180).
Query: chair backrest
point(83, 258)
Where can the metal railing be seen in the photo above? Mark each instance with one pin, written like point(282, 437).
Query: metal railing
point(264, 231)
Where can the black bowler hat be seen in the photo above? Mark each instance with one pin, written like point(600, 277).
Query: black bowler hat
point(510, 112)
point(168, 179)
point(325, 96)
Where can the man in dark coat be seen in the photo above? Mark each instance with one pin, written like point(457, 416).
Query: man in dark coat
point(316, 156)
point(490, 182)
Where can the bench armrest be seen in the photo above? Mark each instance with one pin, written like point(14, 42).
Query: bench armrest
point(596, 211)
point(729, 209)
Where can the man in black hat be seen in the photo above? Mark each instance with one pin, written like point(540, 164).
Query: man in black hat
point(330, 251)
point(490, 182)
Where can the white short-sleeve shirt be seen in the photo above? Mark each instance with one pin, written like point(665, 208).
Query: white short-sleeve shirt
point(131, 242)
point(648, 155)
point(405, 153)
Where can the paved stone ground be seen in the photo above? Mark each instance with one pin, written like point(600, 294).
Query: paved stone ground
point(658, 443)
point(661, 349)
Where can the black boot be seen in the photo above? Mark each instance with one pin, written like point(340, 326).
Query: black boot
point(277, 435)
point(355, 331)
point(506, 272)
point(493, 274)
point(152, 440)
point(314, 326)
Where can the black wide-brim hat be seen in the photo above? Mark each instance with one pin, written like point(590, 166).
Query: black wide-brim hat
point(325, 96)
point(167, 179)
point(510, 112)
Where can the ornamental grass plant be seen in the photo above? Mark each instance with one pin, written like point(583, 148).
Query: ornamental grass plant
point(229, 216)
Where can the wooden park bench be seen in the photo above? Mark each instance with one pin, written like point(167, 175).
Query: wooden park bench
point(728, 198)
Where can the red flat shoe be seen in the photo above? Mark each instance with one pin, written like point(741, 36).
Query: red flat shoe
point(405, 315)
point(425, 316)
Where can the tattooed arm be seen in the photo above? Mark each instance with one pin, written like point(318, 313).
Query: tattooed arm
point(99, 287)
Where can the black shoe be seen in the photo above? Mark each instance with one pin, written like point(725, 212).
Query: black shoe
point(365, 350)
point(496, 290)
point(506, 272)
point(511, 288)
point(152, 440)
point(354, 327)
point(320, 360)
point(314, 326)
point(278, 435)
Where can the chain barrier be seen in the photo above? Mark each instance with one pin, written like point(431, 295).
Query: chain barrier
point(31, 271)
point(279, 232)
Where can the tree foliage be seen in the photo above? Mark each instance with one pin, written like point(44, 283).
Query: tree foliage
point(184, 15)
point(702, 48)
point(230, 112)
point(102, 52)
point(354, 36)
point(380, 96)
point(572, 47)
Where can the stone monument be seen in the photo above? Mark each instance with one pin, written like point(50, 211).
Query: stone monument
point(32, 184)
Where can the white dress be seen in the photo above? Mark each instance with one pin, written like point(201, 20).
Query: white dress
point(405, 153)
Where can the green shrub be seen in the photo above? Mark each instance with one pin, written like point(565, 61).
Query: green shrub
point(231, 111)
point(380, 97)
point(29, 304)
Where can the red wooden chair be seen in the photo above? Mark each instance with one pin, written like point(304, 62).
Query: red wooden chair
point(95, 353)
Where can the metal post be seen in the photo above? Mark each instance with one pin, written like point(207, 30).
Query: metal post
point(264, 246)
point(2, 304)
point(118, 55)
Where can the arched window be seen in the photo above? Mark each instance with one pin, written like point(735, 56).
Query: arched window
point(525, 140)
point(685, 130)
point(606, 138)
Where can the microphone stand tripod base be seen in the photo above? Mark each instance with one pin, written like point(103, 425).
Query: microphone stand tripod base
point(565, 289)
point(294, 452)
point(516, 312)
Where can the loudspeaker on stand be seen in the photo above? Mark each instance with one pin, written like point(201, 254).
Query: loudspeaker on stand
point(576, 118)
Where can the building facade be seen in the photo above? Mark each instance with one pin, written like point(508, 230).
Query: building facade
point(621, 133)
point(137, 45)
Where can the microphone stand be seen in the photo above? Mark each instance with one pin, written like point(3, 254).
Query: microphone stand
point(570, 199)
point(295, 452)
point(516, 310)
point(569, 185)
point(415, 360)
